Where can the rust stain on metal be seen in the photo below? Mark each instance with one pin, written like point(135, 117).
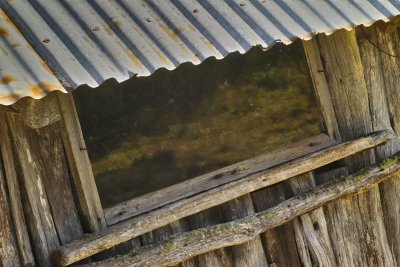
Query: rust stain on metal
point(207, 43)
point(173, 34)
point(135, 61)
point(40, 88)
point(46, 67)
point(193, 29)
point(4, 32)
point(6, 79)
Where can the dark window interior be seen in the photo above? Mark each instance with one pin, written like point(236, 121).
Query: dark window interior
point(152, 132)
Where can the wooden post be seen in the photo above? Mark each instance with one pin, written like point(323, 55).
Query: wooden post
point(80, 165)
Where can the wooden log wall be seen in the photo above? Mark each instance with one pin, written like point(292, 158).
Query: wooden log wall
point(358, 94)
point(48, 196)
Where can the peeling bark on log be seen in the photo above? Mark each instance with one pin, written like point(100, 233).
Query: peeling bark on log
point(94, 243)
point(214, 237)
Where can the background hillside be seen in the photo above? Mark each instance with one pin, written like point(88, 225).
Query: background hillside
point(152, 132)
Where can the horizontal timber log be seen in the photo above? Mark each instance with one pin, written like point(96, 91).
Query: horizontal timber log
point(190, 244)
point(159, 198)
point(114, 235)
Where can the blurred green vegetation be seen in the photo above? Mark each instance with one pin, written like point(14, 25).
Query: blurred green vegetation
point(152, 132)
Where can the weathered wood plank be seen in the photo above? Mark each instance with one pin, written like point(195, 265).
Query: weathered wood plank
point(377, 78)
point(165, 232)
point(8, 247)
point(35, 203)
point(312, 228)
point(21, 231)
point(250, 253)
point(46, 144)
point(279, 242)
point(321, 89)
point(219, 257)
point(117, 234)
point(364, 230)
point(390, 190)
point(189, 244)
point(204, 182)
point(80, 166)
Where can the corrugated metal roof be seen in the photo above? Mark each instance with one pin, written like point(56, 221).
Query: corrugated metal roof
point(22, 71)
point(90, 41)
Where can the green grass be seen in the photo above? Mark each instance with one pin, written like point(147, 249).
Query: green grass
point(149, 133)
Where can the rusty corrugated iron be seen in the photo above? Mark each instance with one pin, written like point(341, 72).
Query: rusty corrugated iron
point(90, 41)
point(22, 71)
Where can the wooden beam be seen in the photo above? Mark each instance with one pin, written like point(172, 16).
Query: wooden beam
point(94, 243)
point(151, 201)
point(187, 245)
point(80, 167)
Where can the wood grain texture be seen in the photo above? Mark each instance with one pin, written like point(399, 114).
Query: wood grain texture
point(20, 228)
point(279, 242)
point(8, 246)
point(36, 206)
point(164, 233)
point(220, 257)
point(80, 166)
point(50, 207)
point(114, 235)
point(135, 206)
point(390, 190)
point(196, 242)
point(311, 228)
point(322, 93)
point(250, 253)
point(363, 233)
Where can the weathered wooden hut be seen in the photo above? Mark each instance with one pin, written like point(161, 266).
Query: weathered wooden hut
point(332, 199)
